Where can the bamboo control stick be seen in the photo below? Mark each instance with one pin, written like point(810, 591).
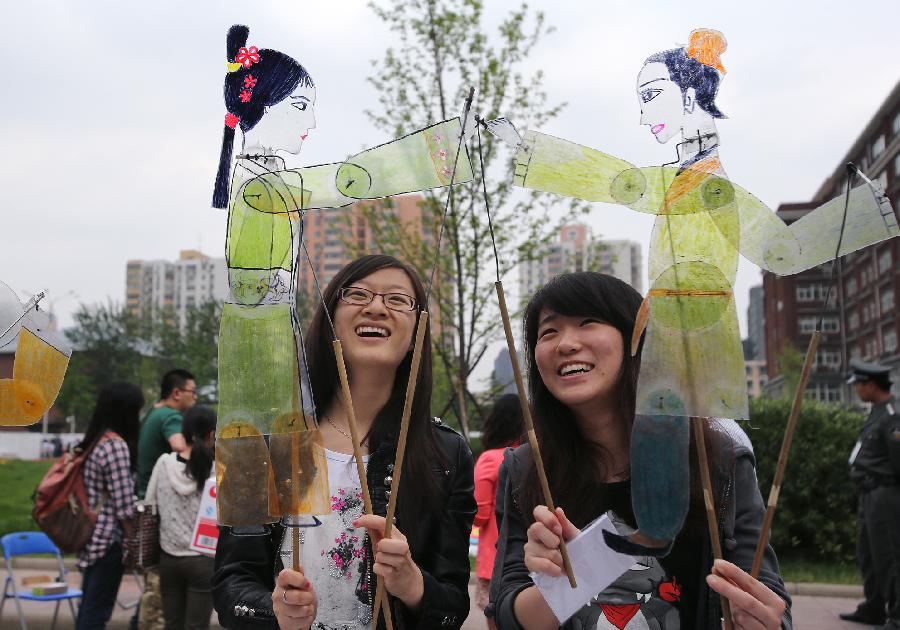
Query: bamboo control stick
point(357, 449)
point(529, 424)
point(380, 595)
point(709, 502)
point(785, 452)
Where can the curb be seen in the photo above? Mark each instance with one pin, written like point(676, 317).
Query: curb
point(43, 564)
point(816, 589)
point(811, 589)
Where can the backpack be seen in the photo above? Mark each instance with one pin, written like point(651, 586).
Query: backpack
point(61, 507)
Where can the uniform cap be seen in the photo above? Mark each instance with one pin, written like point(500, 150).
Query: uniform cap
point(863, 371)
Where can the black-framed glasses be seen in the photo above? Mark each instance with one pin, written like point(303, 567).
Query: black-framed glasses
point(192, 392)
point(359, 296)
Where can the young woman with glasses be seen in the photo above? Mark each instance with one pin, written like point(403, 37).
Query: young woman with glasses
point(374, 303)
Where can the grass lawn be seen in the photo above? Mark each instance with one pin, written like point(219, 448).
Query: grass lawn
point(18, 479)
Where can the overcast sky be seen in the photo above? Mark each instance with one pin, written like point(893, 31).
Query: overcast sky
point(113, 112)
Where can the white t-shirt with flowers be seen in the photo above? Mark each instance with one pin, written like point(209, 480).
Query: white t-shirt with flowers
point(333, 553)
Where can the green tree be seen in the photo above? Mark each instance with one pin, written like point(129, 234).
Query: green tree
point(111, 345)
point(107, 342)
point(443, 49)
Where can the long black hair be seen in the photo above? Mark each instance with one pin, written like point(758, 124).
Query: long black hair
point(697, 66)
point(118, 409)
point(503, 426)
point(575, 466)
point(266, 79)
point(419, 487)
point(196, 426)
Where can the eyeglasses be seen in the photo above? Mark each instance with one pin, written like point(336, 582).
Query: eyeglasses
point(192, 392)
point(358, 296)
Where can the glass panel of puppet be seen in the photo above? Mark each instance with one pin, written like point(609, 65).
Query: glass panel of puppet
point(269, 458)
point(691, 358)
point(39, 365)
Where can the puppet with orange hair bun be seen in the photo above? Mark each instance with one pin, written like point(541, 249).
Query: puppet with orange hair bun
point(686, 331)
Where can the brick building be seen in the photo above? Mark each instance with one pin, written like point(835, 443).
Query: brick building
point(861, 318)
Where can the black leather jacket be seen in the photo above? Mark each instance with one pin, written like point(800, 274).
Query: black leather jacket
point(740, 518)
point(246, 565)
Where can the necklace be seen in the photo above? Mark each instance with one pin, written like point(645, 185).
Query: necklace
point(342, 432)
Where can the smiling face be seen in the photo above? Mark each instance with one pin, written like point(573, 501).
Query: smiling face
point(286, 124)
point(661, 100)
point(372, 334)
point(579, 358)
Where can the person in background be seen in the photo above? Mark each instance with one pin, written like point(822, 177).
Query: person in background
point(161, 427)
point(111, 437)
point(160, 434)
point(176, 487)
point(875, 467)
point(503, 428)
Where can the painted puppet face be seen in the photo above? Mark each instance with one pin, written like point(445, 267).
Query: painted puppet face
point(579, 358)
point(373, 334)
point(286, 124)
point(661, 100)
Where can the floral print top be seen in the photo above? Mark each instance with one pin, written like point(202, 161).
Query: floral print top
point(333, 553)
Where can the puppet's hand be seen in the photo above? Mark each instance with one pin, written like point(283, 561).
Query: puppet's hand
point(294, 600)
point(504, 130)
point(393, 562)
point(753, 604)
point(542, 549)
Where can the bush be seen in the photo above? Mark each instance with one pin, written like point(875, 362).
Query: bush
point(816, 515)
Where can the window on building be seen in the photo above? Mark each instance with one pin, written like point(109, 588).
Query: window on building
point(884, 261)
point(850, 286)
point(895, 126)
point(807, 325)
point(889, 339)
point(877, 146)
point(887, 301)
point(897, 165)
point(829, 359)
point(814, 292)
point(830, 325)
point(882, 179)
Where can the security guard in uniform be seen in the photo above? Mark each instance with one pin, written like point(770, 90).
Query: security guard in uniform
point(875, 467)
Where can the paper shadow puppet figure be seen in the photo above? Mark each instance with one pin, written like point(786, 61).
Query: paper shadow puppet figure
point(266, 410)
point(691, 362)
point(40, 363)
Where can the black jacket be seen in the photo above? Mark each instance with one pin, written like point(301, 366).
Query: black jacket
point(741, 512)
point(246, 565)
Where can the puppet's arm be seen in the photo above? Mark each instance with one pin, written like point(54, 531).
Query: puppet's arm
point(419, 161)
point(813, 239)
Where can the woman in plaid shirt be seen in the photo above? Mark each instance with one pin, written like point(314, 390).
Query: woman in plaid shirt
point(109, 470)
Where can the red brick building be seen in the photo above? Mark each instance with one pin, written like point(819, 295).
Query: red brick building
point(861, 319)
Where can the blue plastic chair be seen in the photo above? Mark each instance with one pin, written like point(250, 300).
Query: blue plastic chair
point(29, 543)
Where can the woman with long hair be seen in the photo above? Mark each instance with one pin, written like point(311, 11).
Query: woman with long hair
point(111, 438)
point(582, 380)
point(176, 489)
point(373, 303)
point(502, 428)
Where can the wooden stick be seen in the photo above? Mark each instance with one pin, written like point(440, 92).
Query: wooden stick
point(351, 421)
point(529, 424)
point(785, 452)
point(295, 497)
point(357, 449)
point(401, 449)
point(709, 502)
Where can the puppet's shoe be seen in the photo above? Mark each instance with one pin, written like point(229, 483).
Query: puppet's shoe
point(636, 544)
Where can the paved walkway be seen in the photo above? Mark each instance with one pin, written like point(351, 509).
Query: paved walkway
point(811, 612)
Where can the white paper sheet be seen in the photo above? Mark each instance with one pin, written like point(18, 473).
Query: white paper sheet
point(596, 566)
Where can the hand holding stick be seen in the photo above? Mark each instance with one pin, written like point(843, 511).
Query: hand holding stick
point(709, 502)
point(380, 595)
point(529, 424)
